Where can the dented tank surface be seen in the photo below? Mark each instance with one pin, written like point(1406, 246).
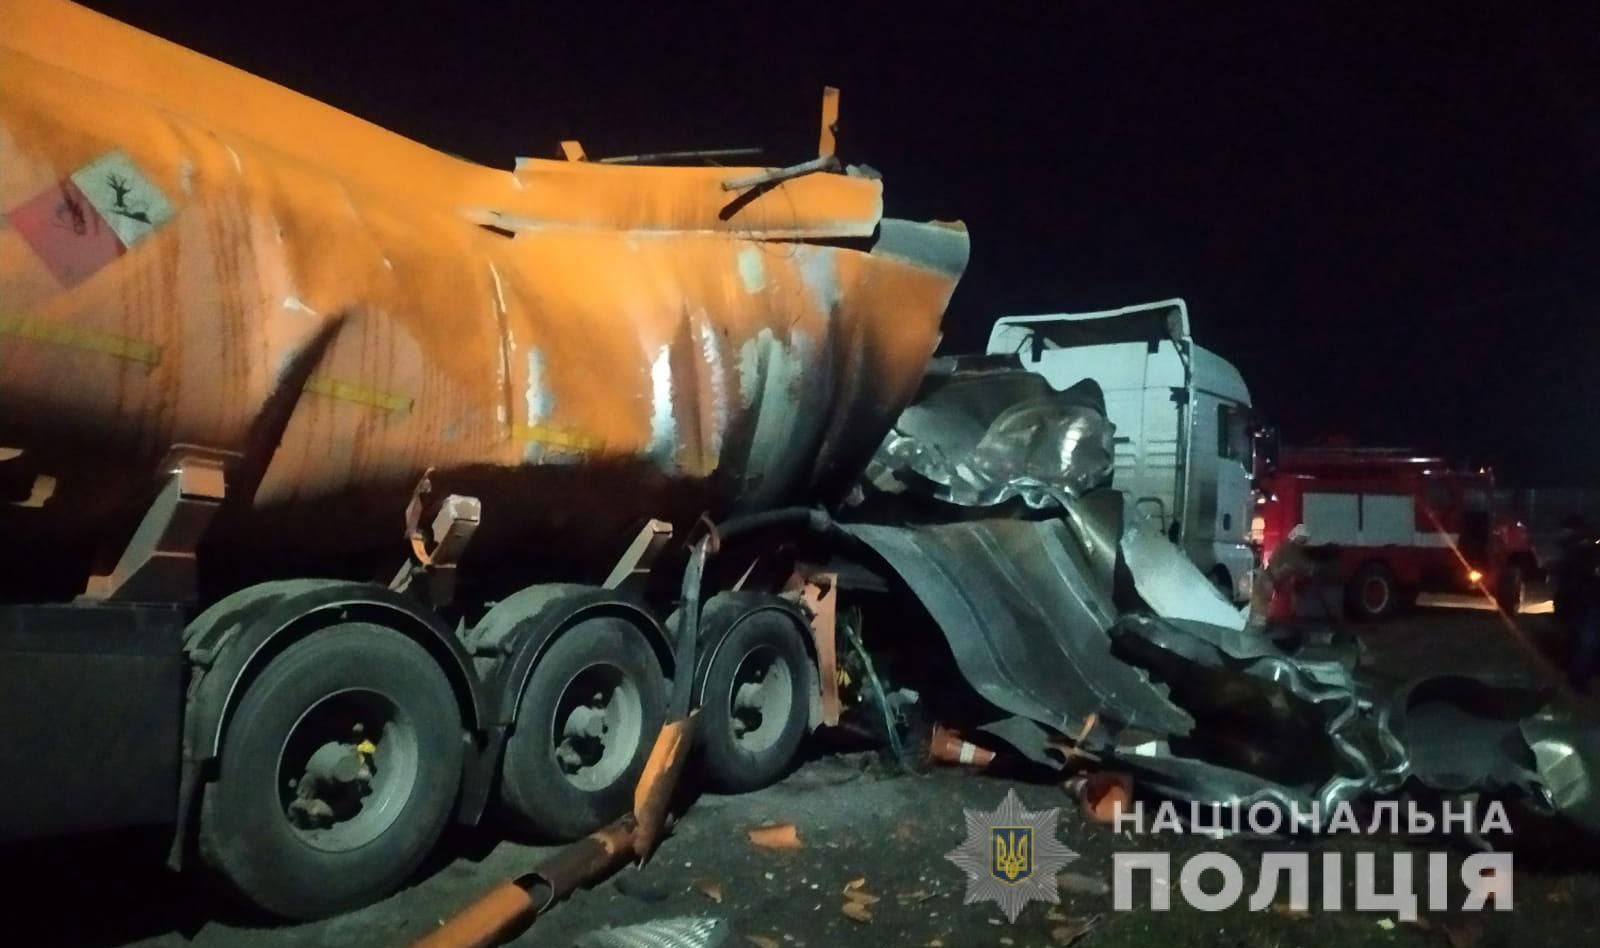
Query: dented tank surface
point(983, 431)
point(191, 255)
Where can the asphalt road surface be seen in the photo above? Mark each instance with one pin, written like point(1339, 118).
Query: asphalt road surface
point(856, 819)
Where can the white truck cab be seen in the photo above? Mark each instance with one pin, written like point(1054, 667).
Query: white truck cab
point(1182, 414)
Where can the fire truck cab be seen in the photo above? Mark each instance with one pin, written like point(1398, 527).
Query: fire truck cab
point(1395, 524)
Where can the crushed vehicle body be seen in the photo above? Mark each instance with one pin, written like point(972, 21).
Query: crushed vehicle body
point(1082, 625)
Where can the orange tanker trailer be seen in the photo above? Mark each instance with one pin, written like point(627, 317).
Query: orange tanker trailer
point(340, 437)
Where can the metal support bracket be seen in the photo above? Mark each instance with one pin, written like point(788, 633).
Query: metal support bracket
point(641, 554)
point(436, 553)
point(159, 561)
point(827, 142)
point(819, 592)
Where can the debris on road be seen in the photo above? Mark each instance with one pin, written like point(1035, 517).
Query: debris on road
point(1064, 935)
point(856, 912)
point(1079, 884)
point(710, 888)
point(685, 932)
point(1102, 795)
point(861, 896)
point(949, 747)
point(858, 901)
point(775, 836)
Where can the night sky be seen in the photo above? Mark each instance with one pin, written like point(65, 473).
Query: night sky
point(1387, 217)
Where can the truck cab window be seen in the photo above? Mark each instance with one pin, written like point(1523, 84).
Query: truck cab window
point(1233, 433)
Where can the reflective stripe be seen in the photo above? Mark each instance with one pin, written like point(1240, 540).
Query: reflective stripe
point(360, 394)
point(120, 347)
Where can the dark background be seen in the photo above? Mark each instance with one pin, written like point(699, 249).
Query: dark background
point(1387, 215)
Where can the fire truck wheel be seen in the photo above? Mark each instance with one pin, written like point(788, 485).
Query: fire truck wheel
point(755, 702)
point(338, 772)
point(589, 716)
point(1508, 591)
point(1373, 592)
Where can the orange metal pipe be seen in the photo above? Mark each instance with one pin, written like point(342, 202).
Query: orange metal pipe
point(486, 922)
point(508, 909)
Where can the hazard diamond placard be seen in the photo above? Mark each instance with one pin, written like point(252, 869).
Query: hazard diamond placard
point(127, 201)
point(91, 218)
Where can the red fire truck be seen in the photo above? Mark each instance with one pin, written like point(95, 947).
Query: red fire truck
point(1393, 524)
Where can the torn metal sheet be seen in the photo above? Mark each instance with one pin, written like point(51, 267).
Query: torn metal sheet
point(1096, 521)
point(1170, 583)
point(1567, 756)
point(1025, 622)
point(1466, 733)
point(1028, 738)
point(1297, 733)
point(980, 436)
point(1454, 734)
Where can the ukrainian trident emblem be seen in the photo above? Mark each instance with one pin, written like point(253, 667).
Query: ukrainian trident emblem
point(1013, 853)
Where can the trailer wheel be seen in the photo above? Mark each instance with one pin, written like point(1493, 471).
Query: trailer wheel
point(755, 706)
point(1509, 590)
point(589, 715)
point(338, 772)
point(1373, 592)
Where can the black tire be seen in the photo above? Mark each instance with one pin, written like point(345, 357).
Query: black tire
point(1509, 590)
point(537, 793)
point(733, 762)
point(246, 833)
point(1373, 593)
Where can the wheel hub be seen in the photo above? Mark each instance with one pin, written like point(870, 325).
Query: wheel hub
point(337, 773)
point(597, 726)
point(340, 788)
point(1376, 594)
point(760, 699)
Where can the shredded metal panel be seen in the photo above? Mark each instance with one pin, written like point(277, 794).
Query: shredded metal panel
point(1024, 620)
